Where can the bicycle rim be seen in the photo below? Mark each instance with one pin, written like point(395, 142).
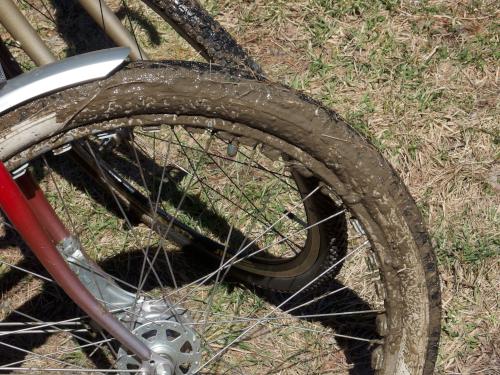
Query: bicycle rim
point(341, 326)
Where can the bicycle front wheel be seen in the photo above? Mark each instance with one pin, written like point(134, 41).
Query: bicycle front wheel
point(277, 240)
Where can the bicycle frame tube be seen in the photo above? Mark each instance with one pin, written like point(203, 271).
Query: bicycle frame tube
point(112, 26)
point(20, 29)
point(42, 209)
point(20, 209)
point(24, 203)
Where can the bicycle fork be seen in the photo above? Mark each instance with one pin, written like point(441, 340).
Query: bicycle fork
point(37, 223)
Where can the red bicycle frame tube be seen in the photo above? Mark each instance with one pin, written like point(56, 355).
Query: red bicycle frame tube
point(26, 207)
point(42, 209)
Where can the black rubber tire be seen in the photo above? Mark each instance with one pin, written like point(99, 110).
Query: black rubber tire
point(366, 183)
point(204, 33)
point(190, 20)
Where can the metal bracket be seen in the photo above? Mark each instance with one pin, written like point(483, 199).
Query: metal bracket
point(128, 307)
point(91, 275)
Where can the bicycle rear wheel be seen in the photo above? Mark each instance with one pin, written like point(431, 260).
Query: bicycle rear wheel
point(234, 165)
point(71, 31)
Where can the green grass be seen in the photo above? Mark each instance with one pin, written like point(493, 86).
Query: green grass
point(420, 80)
point(467, 248)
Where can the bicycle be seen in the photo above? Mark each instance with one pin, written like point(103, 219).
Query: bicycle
point(230, 212)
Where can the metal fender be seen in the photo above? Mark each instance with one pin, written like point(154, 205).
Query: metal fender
point(61, 74)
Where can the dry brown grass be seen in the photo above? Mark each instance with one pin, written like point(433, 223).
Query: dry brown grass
point(420, 79)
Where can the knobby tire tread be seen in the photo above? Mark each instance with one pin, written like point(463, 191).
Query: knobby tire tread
point(379, 193)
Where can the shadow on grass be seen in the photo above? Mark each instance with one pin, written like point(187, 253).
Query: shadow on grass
point(51, 304)
point(82, 34)
point(343, 300)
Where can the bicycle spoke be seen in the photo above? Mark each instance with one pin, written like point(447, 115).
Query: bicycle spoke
point(41, 356)
point(27, 271)
point(67, 370)
point(256, 165)
point(208, 309)
point(270, 319)
point(122, 210)
point(181, 201)
point(154, 210)
point(235, 258)
point(48, 16)
point(231, 180)
point(241, 244)
point(59, 352)
point(247, 330)
point(267, 170)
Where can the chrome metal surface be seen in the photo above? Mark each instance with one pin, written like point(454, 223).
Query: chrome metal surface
point(155, 322)
point(3, 79)
point(131, 309)
point(16, 173)
point(69, 72)
point(177, 346)
point(94, 278)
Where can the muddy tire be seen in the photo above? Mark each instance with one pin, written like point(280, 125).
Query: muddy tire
point(210, 99)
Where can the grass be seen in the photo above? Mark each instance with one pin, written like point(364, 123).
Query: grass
point(420, 79)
